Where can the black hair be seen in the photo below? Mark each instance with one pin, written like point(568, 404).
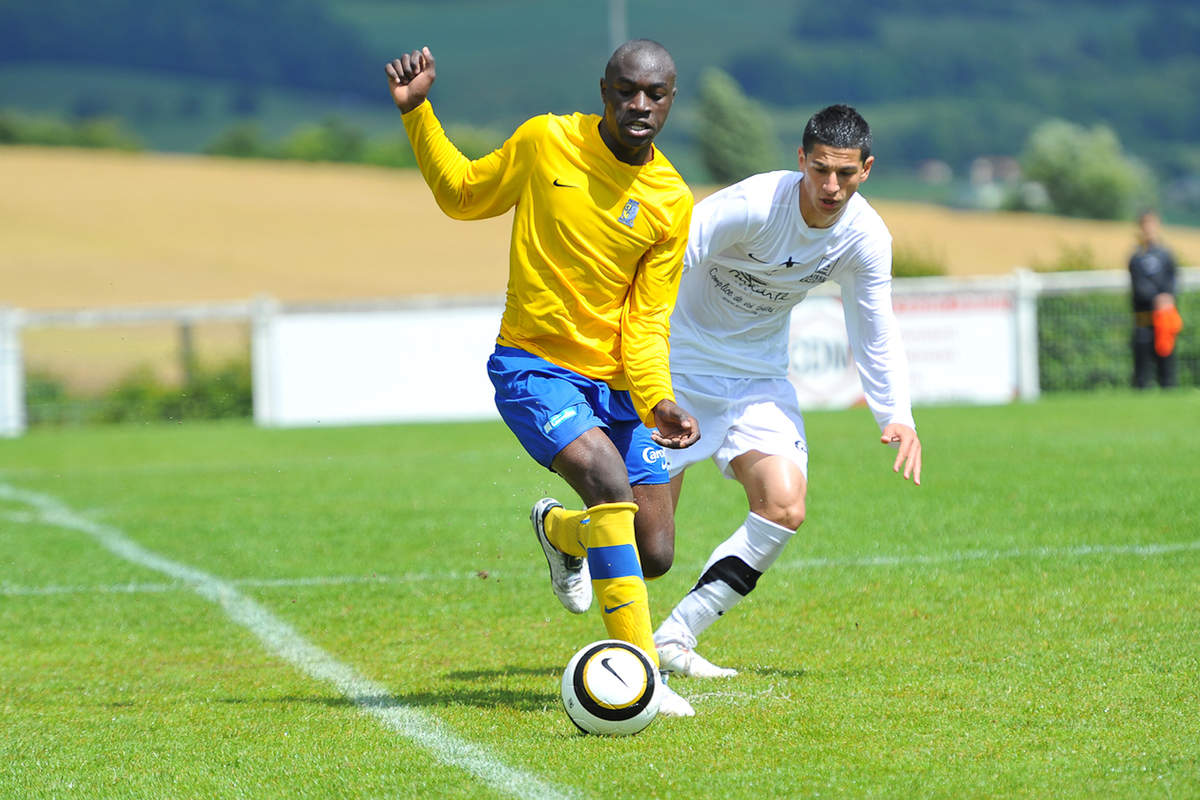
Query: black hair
point(838, 126)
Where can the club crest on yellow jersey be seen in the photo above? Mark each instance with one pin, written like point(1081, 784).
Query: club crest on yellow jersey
point(629, 213)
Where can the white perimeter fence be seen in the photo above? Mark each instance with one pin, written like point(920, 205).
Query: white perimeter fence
point(968, 340)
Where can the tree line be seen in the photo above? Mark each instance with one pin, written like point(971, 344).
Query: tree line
point(281, 43)
point(945, 80)
point(938, 79)
point(1082, 172)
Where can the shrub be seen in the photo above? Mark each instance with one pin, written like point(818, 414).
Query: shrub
point(1084, 172)
point(473, 142)
point(139, 397)
point(1084, 341)
point(47, 402)
point(95, 132)
point(735, 133)
point(212, 393)
point(220, 392)
point(242, 140)
point(333, 139)
point(908, 262)
point(105, 133)
point(391, 151)
point(1071, 257)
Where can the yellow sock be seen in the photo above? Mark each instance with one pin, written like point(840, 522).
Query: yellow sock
point(565, 530)
point(617, 574)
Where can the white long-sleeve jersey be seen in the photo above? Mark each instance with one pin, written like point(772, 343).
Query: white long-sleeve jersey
point(751, 258)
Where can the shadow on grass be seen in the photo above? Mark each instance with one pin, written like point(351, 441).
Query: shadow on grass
point(488, 688)
point(502, 672)
point(483, 688)
point(772, 672)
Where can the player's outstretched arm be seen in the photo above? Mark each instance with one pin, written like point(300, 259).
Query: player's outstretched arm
point(410, 78)
point(675, 428)
point(908, 448)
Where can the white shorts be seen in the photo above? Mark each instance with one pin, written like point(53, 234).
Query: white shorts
point(737, 415)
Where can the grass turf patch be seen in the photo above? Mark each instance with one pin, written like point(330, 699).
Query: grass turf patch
point(1023, 623)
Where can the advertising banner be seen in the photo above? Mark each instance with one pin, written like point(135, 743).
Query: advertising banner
point(350, 367)
point(960, 348)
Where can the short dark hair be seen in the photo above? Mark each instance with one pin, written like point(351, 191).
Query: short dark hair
point(838, 126)
point(648, 49)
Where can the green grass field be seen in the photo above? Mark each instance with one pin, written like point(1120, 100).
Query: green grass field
point(219, 611)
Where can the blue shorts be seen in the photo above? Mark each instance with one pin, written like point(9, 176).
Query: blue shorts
point(548, 407)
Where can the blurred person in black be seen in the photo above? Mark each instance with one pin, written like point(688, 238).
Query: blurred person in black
point(1156, 320)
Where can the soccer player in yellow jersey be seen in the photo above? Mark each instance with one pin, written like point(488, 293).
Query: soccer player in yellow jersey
point(581, 362)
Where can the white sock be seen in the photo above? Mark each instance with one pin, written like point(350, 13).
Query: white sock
point(731, 573)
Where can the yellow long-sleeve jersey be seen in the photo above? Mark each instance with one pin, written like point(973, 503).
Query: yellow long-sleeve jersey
point(597, 245)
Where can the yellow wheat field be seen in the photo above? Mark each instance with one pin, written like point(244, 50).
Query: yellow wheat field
point(83, 229)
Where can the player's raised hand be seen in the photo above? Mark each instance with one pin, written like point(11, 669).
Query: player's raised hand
point(410, 77)
point(908, 448)
point(675, 428)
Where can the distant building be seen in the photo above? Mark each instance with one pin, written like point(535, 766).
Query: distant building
point(987, 170)
point(935, 171)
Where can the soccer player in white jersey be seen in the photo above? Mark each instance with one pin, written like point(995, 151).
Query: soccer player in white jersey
point(755, 250)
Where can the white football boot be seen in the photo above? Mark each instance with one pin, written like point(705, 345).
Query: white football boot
point(672, 705)
point(674, 658)
point(569, 576)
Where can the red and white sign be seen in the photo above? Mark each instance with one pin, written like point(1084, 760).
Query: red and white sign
point(960, 348)
point(339, 368)
point(820, 365)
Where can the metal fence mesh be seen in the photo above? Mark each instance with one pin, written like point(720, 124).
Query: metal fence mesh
point(1084, 340)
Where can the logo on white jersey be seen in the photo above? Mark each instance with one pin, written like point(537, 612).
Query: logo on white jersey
point(756, 285)
point(821, 273)
point(787, 264)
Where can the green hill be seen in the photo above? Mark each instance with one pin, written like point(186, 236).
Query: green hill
point(938, 79)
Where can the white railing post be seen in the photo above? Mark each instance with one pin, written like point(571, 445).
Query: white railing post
point(262, 360)
point(12, 374)
point(1025, 294)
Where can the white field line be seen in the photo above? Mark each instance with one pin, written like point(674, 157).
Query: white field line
point(137, 587)
point(962, 556)
point(285, 642)
point(8, 589)
point(957, 557)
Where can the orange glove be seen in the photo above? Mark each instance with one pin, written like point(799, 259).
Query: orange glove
point(1167, 325)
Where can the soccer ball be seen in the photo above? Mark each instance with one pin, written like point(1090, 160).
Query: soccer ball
point(610, 688)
